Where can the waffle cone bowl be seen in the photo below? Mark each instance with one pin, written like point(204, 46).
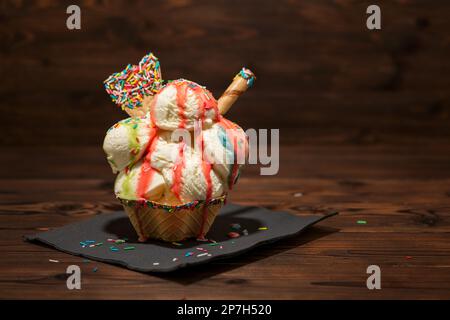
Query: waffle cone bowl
point(153, 220)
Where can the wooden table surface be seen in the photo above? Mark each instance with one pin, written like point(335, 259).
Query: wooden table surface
point(364, 129)
point(402, 192)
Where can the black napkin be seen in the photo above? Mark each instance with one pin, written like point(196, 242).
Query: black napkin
point(97, 237)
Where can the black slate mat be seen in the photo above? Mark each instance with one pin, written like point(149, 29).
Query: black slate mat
point(157, 256)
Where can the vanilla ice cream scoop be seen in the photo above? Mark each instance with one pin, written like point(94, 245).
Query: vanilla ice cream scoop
point(182, 102)
point(126, 141)
point(129, 184)
point(226, 148)
point(175, 172)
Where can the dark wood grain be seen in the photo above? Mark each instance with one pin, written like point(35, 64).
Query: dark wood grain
point(403, 193)
point(364, 125)
point(328, 77)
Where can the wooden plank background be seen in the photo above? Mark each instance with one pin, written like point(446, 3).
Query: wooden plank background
point(363, 117)
point(329, 79)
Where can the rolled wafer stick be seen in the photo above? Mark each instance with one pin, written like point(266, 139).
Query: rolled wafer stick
point(241, 82)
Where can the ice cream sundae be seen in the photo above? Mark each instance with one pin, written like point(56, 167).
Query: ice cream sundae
point(176, 156)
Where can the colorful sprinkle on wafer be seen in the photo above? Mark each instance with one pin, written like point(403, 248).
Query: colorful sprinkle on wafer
point(129, 87)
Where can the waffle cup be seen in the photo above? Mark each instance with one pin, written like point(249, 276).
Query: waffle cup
point(153, 220)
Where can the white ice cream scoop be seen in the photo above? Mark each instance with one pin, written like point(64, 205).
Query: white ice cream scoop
point(126, 142)
point(182, 102)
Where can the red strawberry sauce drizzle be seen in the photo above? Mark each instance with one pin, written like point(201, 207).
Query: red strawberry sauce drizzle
point(206, 168)
point(147, 171)
point(205, 101)
point(178, 171)
point(230, 127)
point(181, 101)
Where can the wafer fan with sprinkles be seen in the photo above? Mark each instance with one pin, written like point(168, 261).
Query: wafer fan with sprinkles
point(134, 87)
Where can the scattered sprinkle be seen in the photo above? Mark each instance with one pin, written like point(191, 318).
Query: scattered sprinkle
point(202, 254)
point(298, 194)
point(245, 232)
point(129, 248)
point(201, 249)
point(90, 243)
point(233, 235)
point(111, 240)
point(235, 226)
point(213, 244)
point(263, 228)
point(52, 260)
point(95, 269)
point(156, 263)
point(408, 257)
point(361, 222)
point(112, 248)
point(177, 244)
point(209, 254)
point(119, 241)
point(174, 259)
point(221, 247)
point(188, 254)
